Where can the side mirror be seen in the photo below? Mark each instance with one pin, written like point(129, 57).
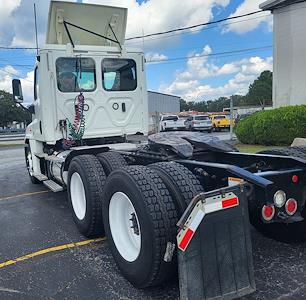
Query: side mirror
point(17, 91)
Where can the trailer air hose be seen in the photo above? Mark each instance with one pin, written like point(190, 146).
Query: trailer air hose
point(77, 128)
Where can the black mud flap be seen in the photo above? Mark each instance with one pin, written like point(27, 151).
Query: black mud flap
point(217, 262)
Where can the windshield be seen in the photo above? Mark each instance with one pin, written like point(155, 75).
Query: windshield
point(202, 118)
point(220, 117)
point(170, 118)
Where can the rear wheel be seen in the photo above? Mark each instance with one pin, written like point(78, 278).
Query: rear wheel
point(140, 221)
point(181, 183)
point(111, 161)
point(288, 151)
point(292, 232)
point(86, 179)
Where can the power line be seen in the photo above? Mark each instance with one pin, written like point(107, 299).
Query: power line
point(198, 30)
point(195, 26)
point(12, 74)
point(17, 65)
point(217, 21)
point(212, 54)
point(158, 33)
point(17, 48)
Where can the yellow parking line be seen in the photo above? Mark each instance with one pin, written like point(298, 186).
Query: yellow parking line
point(48, 250)
point(24, 195)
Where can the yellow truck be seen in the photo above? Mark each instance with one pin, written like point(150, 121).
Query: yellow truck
point(220, 121)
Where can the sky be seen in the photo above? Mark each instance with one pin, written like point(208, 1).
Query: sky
point(205, 63)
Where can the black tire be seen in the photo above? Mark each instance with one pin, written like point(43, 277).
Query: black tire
point(181, 183)
point(292, 232)
point(27, 151)
point(287, 151)
point(111, 161)
point(209, 131)
point(157, 219)
point(301, 149)
point(93, 178)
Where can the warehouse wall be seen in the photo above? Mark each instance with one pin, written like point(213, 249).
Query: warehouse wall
point(289, 70)
point(163, 103)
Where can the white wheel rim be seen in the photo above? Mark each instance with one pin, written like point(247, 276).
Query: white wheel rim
point(126, 238)
point(78, 197)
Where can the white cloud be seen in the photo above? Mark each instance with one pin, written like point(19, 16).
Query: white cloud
point(17, 22)
point(149, 17)
point(190, 83)
point(158, 15)
point(252, 22)
point(6, 9)
point(198, 67)
point(8, 73)
point(151, 56)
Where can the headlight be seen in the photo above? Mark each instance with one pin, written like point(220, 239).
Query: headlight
point(279, 198)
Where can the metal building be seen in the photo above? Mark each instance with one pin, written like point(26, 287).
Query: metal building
point(163, 103)
point(289, 52)
point(160, 104)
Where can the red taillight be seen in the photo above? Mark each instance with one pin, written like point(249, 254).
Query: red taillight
point(195, 122)
point(291, 206)
point(268, 212)
point(295, 179)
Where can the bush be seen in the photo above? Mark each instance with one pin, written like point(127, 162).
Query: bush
point(273, 127)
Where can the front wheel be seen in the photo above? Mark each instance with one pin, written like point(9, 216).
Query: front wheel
point(86, 179)
point(29, 164)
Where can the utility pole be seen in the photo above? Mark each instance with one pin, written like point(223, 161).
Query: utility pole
point(231, 118)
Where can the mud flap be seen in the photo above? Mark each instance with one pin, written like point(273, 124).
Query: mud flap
point(217, 262)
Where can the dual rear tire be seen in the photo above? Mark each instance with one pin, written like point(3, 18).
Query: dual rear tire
point(86, 179)
point(136, 207)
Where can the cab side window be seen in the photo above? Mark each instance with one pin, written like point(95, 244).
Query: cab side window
point(36, 83)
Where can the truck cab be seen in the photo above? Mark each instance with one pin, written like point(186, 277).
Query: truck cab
point(85, 54)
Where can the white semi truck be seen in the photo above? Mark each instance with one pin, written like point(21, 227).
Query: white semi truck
point(90, 96)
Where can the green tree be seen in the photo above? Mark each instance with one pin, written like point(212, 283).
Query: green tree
point(10, 112)
point(260, 91)
point(219, 104)
point(184, 105)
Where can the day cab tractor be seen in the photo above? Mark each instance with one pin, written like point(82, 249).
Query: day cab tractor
point(89, 137)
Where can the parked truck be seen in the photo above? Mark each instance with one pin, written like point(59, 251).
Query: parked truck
point(90, 97)
point(171, 122)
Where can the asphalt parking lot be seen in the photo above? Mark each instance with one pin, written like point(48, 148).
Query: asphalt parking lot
point(38, 261)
